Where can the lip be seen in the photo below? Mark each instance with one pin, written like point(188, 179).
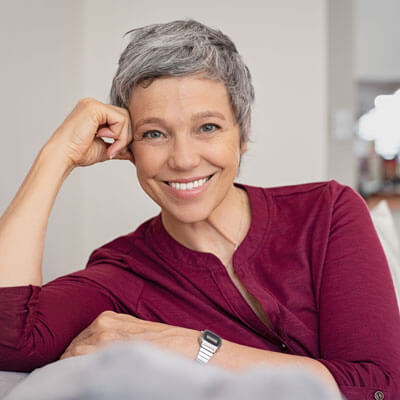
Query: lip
point(186, 180)
point(190, 193)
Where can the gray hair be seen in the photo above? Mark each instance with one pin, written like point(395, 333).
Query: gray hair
point(182, 48)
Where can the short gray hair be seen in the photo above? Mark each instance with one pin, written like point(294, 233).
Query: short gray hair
point(182, 48)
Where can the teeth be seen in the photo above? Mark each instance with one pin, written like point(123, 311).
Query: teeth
point(189, 185)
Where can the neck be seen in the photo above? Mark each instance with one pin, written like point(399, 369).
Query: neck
point(221, 232)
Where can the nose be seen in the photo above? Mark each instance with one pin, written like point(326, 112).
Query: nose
point(184, 154)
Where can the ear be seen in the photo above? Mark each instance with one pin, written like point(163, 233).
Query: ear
point(243, 147)
point(126, 154)
point(131, 156)
point(129, 149)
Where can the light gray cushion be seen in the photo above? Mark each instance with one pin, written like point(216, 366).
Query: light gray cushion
point(8, 380)
point(138, 371)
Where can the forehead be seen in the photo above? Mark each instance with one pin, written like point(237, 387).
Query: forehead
point(170, 96)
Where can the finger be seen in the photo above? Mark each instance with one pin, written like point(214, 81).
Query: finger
point(81, 350)
point(121, 141)
point(104, 131)
point(116, 324)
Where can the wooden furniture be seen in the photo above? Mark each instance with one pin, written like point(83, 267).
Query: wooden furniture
point(392, 199)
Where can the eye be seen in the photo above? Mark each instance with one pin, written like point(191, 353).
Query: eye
point(209, 128)
point(152, 135)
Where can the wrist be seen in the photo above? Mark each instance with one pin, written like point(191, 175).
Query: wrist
point(52, 154)
point(210, 343)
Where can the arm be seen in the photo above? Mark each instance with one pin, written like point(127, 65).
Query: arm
point(236, 356)
point(23, 225)
point(29, 334)
point(359, 317)
point(110, 327)
point(38, 323)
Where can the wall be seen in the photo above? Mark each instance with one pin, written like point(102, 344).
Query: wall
point(377, 40)
point(40, 80)
point(60, 51)
point(284, 44)
point(341, 160)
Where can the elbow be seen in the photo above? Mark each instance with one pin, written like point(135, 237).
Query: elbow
point(358, 380)
point(22, 361)
point(26, 357)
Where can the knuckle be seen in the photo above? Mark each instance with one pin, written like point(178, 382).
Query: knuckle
point(125, 116)
point(86, 100)
point(104, 318)
point(119, 109)
point(125, 112)
point(107, 314)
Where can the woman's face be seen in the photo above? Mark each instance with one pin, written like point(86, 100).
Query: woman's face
point(186, 144)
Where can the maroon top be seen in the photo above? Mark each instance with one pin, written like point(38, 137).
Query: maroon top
point(311, 257)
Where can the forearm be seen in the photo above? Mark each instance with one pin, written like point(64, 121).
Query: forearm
point(23, 225)
point(235, 356)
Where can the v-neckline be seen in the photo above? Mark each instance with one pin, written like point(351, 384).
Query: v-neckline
point(167, 247)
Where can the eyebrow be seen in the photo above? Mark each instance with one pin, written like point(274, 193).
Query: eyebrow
point(195, 117)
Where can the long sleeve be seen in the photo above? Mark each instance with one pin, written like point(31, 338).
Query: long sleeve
point(38, 323)
point(359, 317)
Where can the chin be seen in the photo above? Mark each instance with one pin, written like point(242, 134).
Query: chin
point(188, 216)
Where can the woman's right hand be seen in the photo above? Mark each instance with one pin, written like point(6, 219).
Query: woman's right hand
point(78, 138)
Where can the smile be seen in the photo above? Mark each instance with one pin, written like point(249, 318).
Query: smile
point(189, 185)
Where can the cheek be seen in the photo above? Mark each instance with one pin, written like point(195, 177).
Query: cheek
point(225, 144)
point(227, 154)
point(148, 161)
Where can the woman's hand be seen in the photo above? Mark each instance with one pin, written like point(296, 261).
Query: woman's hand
point(78, 138)
point(109, 327)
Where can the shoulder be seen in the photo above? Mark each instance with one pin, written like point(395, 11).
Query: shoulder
point(330, 192)
point(122, 247)
point(330, 188)
point(325, 201)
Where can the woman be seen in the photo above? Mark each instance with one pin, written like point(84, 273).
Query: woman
point(288, 275)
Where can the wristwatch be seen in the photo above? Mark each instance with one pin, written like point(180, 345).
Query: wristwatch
point(209, 344)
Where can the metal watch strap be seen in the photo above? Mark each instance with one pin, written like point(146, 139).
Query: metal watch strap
point(209, 344)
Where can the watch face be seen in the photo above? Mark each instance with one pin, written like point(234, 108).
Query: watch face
point(212, 338)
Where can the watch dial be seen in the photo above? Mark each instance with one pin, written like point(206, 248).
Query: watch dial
point(212, 338)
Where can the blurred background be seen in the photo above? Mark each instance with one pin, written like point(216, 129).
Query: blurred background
point(325, 72)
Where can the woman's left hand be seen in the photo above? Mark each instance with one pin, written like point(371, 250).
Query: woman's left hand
point(110, 326)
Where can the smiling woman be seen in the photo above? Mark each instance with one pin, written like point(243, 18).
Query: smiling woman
point(187, 159)
point(228, 273)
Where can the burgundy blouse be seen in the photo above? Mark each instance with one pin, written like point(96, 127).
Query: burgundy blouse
point(311, 257)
